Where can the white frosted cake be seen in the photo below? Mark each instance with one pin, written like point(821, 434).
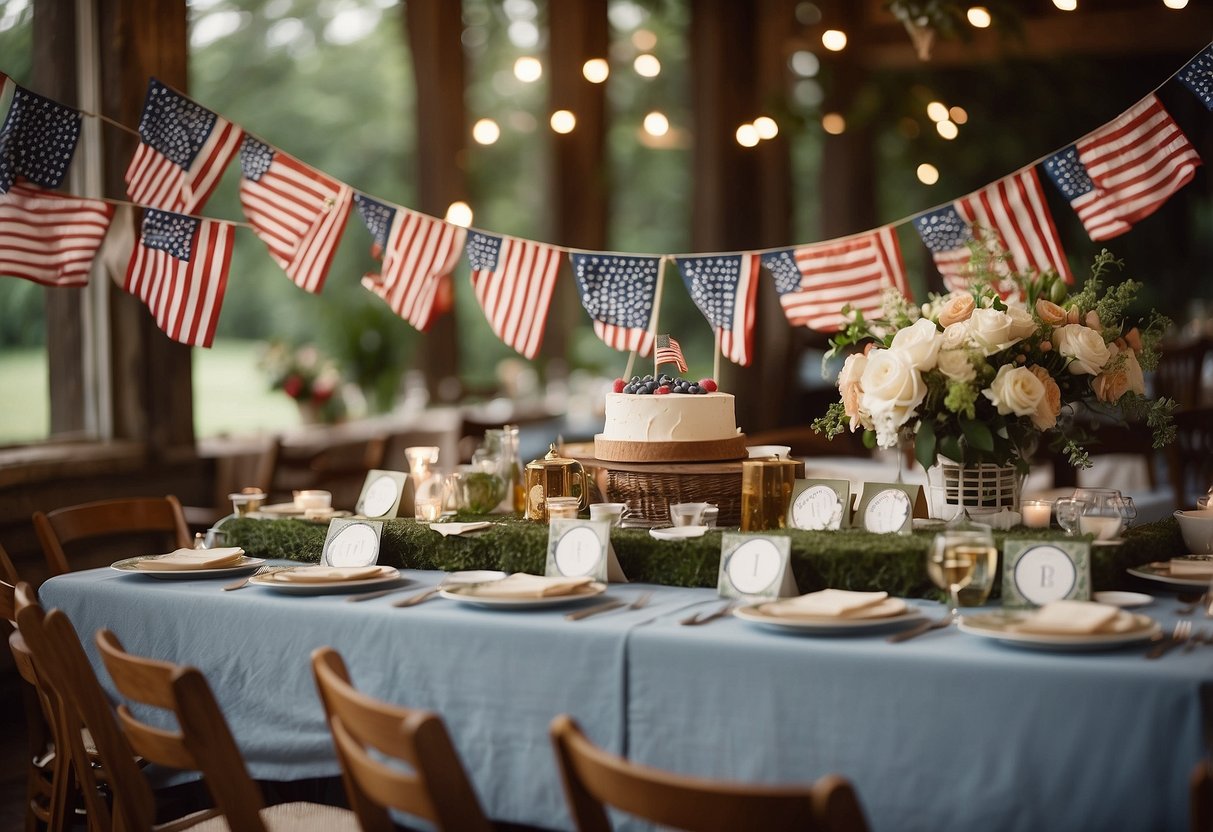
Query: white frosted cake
point(669, 428)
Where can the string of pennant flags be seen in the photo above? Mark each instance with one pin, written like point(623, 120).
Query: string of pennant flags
point(1113, 177)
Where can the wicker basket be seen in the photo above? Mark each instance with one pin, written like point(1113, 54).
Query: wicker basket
point(648, 494)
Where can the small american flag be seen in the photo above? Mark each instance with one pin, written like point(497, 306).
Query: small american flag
point(37, 141)
point(619, 292)
point(418, 254)
point(1096, 211)
point(513, 280)
point(669, 351)
point(1197, 76)
point(724, 287)
point(183, 153)
point(816, 282)
point(1013, 210)
point(48, 237)
point(297, 211)
point(179, 269)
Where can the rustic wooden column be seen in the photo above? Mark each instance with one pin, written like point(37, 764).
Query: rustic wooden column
point(435, 28)
point(578, 31)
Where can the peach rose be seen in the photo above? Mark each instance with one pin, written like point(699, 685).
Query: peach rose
point(1133, 338)
point(1049, 312)
point(1110, 385)
point(1134, 374)
point(850, 388)
point(1015, 390)
point(1092, 320)
point(958, 308)
point(1049, 408)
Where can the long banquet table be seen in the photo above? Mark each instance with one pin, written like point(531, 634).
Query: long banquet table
point(946, 731)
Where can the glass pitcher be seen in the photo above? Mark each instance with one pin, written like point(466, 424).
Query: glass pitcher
point(502, 443)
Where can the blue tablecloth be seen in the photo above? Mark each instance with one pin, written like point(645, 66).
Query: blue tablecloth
point(947, 731)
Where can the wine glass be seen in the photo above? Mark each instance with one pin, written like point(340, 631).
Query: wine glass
point(952, 560)
point(1068, 510)
point(1128, 510)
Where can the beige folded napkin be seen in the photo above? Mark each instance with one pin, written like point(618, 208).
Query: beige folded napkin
point(1075, 617)
point(328, 574)
point(447, 529)
point(1200, 566)
point(836, 603)
point(523, 585)
point(193, 559)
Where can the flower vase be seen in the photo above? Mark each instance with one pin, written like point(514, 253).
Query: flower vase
point(972, 489)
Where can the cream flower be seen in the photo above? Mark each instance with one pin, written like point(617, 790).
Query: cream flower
point(990, 330)
point(1050, 313)
point(1015, 390)
point(892, 392)
point(852, 390)
point(955, 365)
point(958, 307)
point(1136, 378)
point(1084, 346)
point(955, 336)
point(1022, 322)
point(919, 343)
point(1045, 417)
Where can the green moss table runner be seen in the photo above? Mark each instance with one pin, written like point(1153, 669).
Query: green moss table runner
point(849, 559)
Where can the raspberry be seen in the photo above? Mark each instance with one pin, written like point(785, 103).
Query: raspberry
point(661, 391)
point(618, 385)
point(708, 384)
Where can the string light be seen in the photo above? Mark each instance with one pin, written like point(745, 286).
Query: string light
point(927, 174)
point(563, 121)
point(1066, 5)
point(486, 131)
point(656, 124)
point(459, 213)
point(647, 66)
point(834, 124)
point(979, 17)
point(958, 115)
point(528, 69)
point(834, 39)
point(947, 129)
point(747, 135)
point(596, 70)
point(936, 111)
point(644, 40)
point(766, 127)
point(1175, 4)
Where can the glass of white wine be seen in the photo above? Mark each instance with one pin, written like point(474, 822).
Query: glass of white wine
point(955, 557)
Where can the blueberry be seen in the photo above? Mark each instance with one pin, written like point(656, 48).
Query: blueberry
point(647, 378)
point(650, 386)
point(693, 389)
point(635, 379)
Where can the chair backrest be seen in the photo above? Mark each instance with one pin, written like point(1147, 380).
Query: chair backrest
point(8, 572)
point(594, 779)
point(339, 466)
point(107, 518)
point(1190, 456)
point(203, 741)
point(437, 787)
point(1180, 371)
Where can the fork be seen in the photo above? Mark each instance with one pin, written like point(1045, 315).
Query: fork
point(413, 600)
point(1179, 634)
point(642, 600)
point(700, 618)
point(261, 570)
point(1188, 609)
point(1199, 637)
point(921, 628)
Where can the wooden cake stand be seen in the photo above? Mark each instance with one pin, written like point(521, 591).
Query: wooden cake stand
point(714, 450)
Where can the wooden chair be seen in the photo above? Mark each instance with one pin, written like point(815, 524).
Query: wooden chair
point(436, 789)
point(339, 466)
point(61, 660)
point(594, 779)
point(1190, 456)
point(1180, 372)
point(132, 516)
point(1200, 794)
point(8, 573)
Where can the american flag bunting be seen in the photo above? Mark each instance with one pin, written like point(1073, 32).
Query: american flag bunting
point(297, 211)
point(669, 351)
point(183, 150)
point(418, 254)
point(48, 237)
point(815, 282)
point(37, 141)
point(1197, 76)
point(179, 270)
point(513, 281)
point(725, 288)
point(618, 291)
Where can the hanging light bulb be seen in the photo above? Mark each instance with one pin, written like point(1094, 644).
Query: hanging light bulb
point(485, 131)
point(834, 39)
point(647, 66)
point(834, 124)
point(947, 129)
point(747, 136)
point(596, 70)
point(656, 124)
point(563, 121)
point(528, 69)
point(1175, 4)
point(958, 114)
point(767, 127)
point(979, 17)
point(459, 213)
point(1066, 5)
point(936, 111)
point(927, 174)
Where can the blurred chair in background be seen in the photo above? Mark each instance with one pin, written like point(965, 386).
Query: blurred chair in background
point(155, 522)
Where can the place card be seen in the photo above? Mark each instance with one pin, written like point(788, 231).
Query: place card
point(886, 507)
point(820, 504)
point(381, 493)
point(582, 548)
point(352, 543)
point(1035, 572)
point(755, 567)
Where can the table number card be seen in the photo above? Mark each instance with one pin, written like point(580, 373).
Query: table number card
point(1038, 571)
point(582, 548)
point(381, 494)
point(820, 504)
point(889, 507)
point(754, 566)
point(352, 543)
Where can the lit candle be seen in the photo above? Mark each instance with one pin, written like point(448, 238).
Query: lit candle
point(1037, 514)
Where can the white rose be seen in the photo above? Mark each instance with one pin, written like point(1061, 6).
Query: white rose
point(1084, 346)
point(955, 336)
point(852, 369)
point(990, 330)
point(1015, 390)
point(892, 390)
point(919, 343)
point(1022, 322)
point(955, 365)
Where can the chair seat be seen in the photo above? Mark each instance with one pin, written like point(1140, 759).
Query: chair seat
point(291, 817)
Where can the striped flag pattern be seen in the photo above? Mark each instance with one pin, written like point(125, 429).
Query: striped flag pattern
point(1013, 210)
point(418, 254)
point(50, 238)
point(179, 270)
point(183, 152)
point(815, 282)
point(513, 281)
point(725, 288)
point(1095, 209)
point(618, 291)
point(669, 351)
point(37, 141)
point(297, 211)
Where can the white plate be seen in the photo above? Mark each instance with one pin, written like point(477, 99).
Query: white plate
point(1119, 541)
point(1160, 572)
point(997, 626)
point(461, 594)
point(1123, 599)
point(129, 566)
point(754, 615)
point(389, 574)
point(291, 510)
point(678, 532)
point(472, 576)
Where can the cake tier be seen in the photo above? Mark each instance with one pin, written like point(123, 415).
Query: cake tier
point(671, 418)
point(711, 450)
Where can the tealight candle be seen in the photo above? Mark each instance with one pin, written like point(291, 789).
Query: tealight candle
point(1037, 513)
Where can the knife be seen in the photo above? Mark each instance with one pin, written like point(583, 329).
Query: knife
point(605, 606)
point(919, 629)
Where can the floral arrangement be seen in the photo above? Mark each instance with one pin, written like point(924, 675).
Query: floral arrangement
point(314, 383)
point(982, 375)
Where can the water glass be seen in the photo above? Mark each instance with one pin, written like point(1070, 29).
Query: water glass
point(953, 563)
point(562, 507)
point(613, 512)
point(1068, 511)
point(687, 514)
point(1102, 519)
point(711, 514)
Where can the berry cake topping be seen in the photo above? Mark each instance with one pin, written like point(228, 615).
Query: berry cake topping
point(663, 384)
